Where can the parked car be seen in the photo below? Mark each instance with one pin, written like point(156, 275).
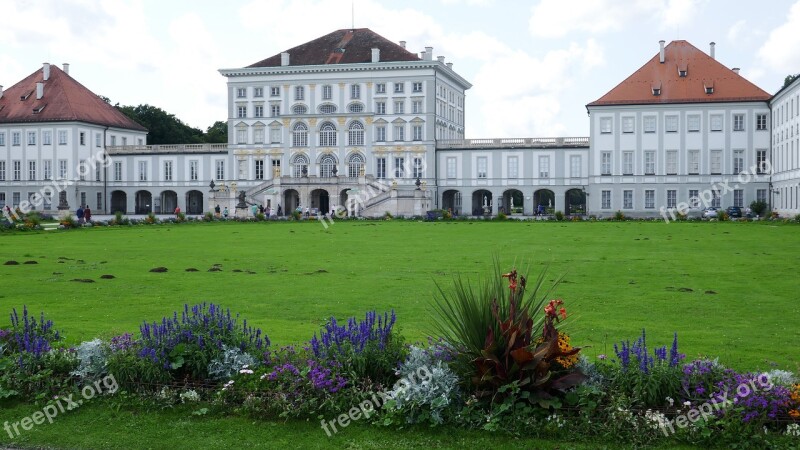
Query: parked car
point(710, 212)
point(734, 212)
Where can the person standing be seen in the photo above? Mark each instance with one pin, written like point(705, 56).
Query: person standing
point(87, 214)
point(79, 214)
point(216, 211)
point(225, 213)
point(177, 211)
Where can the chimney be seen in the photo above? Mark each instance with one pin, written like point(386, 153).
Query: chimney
point(1, 91)
point(428, 55)
point(66, 68)
point(39, 90)
point(661, 52)
point(735, 70)
point(403, 44)
point(376, 55)
point(712, 45)
point(450, 66)
point(285, 58)
point(45, 71)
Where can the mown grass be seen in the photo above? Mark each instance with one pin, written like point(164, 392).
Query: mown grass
point(620, 277)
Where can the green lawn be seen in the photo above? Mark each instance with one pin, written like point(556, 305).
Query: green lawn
point(620, 277)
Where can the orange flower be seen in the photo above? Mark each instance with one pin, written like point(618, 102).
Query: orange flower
point(563, 313)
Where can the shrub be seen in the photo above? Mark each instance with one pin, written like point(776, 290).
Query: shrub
point(758, 208)
point(229, 362)
point(69, 222)
point(119, 219)
point(180, 217)
point(29, 336)
point(93, 360)
point(619, 216)
point(559, 216)
point(388, 216)
point(208, 216)
point(151, 218)
point(501, 216)
point(722, 215)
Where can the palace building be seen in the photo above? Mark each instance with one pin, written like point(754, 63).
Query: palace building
point(354, 122)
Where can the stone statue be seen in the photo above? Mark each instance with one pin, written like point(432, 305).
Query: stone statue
point(242, 203)
point(62, 201)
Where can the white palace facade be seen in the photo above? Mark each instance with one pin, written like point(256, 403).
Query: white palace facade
point(352, 121)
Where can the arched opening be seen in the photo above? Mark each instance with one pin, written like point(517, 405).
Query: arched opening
point(291, 201)
point(513, 201)
point(575, 202)
point(343, 206)
point(119, 202)
point(481, 203)
point(144, 202)
point(320, 201)
point(451, 201)
point(194, 202)
point(544, 200)
point(169, 201)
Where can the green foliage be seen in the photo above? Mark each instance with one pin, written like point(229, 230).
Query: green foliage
point(619, 215)
point(217, 133)
point(37, 377)
point(758, 208)
point(120, 219)
point(163, 128)
point(722, 215)
point(136, 374)
point(789, 79)
point(93, 359)
point(559, 216)
point(501, 216)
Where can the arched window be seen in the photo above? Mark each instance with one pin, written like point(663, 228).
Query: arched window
point(299, 109)
point(300, 135)
point(355, 163)
point(300, 166)
point(326, 165)
point(355, 134)
point(355, 107)
point(327, 135)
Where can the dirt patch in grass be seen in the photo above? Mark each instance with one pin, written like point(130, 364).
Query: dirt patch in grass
point(83, 280)
point(158, 269)
point(11, 262)
point(107, 277)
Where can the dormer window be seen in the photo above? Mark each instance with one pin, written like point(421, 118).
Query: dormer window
point(708, 86)
point(656, 89)
point(25, 97)
point(709, 89)
point(38, 109)
point(683, 70)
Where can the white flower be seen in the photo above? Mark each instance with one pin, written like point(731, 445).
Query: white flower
point(793, 429)
point(247, 371)
point(687, 403)
point(671, 401)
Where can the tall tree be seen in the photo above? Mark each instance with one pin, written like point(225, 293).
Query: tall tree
point(217, 133)
point(789, 79)
point(163, 128)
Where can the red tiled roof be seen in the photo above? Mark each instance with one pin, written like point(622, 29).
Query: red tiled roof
point(64, 100)
point(342, 47)
point(701, 71)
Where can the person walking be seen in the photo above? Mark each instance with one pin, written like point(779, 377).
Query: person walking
point(79, 214)
point(225, 213)
point(87, 214)
point(216, 211)
point(177, 211)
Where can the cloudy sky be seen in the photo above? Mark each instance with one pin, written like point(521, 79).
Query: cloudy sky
point(533, 64)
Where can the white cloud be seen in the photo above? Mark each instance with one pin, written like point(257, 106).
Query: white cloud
point(781, 51)
point(736, 30)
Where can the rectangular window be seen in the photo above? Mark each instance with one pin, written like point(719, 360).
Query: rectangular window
point(738, 161)
point(672, 198)
point(219, 171)
point(417, 86)
point(761, 162)
point(628, 125)
point(62, 169)
point(274, 91)
point(83, 198)
point(241, 112)
point(738, 198)
point(380, 168)
point(605, 125)
point(417, 131)
point(380, 88)
point(327, 92)
point(258, 92)
point(2, 139)
point(2, 199)
point(399, 88)
point(275, 135)
point(355, 91)
point(716, 122)
point(380, 107)
point(671, 124)
point(738, 122)
point(417, 168)
point(258, 135)
point(258, 111)
point(241, 136)
point(62, 137)
point(649, 124)
point(15, 198)
point(672, 162)
point(649, 163)
point(416, 107)
point(2, 171)
point(627, 199)
point(575, 166)
point(193, 170)
point(694, 198)
point(761, 122)
point(31, 138)
point(98, 140)
point(627, 163)
point(15, 138)
point(97, 173)
point(399, 107)
point(715, 199)
point(693, 122)
point(299, 93)
point(399, 132)
point(82, 138)
point(482, 164)
point(117, 171)
point(167, 170)
point(694, 162)
point(649, 199)
point(241, 92)
point(274, 110)
point(17, 170)
point(605, 163)
point(716, 162)
point(31, 170)
point(124, 140)
point(259, 169)
point(605, 200)
point(142, 170)
point(380, 133)
point(761, 195)
point(99, 201)
point(544, 167)
point(47, 169)
point(451, 167)
point(513, 167)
